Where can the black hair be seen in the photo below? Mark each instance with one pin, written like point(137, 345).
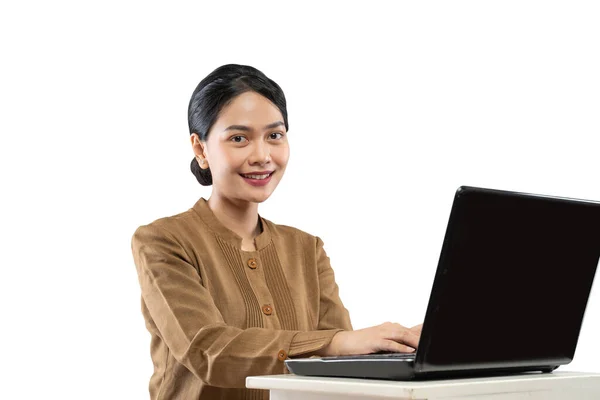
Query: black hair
point(216, 91)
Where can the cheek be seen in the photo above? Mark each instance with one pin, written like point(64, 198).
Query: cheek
point(281, 155)
point(228, 160)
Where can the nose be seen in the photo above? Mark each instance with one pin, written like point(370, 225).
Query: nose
point(261, 154)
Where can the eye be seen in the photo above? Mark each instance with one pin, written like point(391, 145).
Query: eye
point(276, 135)
point(238, 139)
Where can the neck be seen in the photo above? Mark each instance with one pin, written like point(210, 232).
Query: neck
point(239, 216)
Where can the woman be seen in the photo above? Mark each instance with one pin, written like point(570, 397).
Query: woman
point(227, 294)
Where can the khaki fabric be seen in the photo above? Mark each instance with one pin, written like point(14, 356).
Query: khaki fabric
point(217, 314)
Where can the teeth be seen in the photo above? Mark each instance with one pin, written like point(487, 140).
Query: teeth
point(257, 176)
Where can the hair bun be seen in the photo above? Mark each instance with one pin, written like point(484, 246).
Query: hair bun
point(203, 176)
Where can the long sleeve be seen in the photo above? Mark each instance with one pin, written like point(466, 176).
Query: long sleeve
point(194, 330)
point(333, 316)
point(332, 313)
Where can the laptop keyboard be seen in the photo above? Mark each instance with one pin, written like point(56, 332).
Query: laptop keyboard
point(402, 356)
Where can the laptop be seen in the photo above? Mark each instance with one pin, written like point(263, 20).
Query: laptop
point(509, 295)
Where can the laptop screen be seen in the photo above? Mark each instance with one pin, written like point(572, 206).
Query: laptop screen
point(513, 281)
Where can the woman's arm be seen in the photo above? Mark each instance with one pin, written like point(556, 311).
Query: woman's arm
point(192, 326)
point(388, 337)
point(332, 313)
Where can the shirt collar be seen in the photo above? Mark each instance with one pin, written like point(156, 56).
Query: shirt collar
point(210, 219)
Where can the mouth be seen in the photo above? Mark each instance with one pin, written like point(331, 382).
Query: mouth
point(260, 178)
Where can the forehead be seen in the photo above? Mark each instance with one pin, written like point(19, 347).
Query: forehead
point(250, 109)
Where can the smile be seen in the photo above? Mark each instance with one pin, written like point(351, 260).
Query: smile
point(260, 177)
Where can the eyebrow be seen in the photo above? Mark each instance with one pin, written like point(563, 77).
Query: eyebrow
point(246, 128)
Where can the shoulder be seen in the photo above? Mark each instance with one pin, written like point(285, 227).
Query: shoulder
point(169, 227)
point(288, 234)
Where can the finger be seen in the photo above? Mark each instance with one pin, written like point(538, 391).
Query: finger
point(405, 336)
point(390, 325)
point(417, 328)
point(392, 328)
point(395, 347)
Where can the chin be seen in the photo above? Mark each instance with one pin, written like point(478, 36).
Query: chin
point(259, 198)
point(251, 197)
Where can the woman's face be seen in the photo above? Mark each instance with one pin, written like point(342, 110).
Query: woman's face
point(247, 149)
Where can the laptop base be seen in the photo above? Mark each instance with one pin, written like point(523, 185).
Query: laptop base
point(394, 369)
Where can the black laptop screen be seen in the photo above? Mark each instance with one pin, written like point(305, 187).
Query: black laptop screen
point(513, 281)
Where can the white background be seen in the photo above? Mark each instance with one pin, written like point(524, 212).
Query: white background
point(391, 108)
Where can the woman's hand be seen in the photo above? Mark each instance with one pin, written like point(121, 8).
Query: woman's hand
point(387, 337)
point(417, 329)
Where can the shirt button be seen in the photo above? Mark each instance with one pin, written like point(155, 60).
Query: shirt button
point(282, 355)
point(252, 263)
point(267, 309)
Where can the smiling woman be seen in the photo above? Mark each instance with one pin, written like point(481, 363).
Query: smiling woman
point(255, 150)
point(228, 294)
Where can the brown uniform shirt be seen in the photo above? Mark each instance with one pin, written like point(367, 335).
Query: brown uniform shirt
point(217, 314)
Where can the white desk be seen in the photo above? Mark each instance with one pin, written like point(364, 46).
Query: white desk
point(532, 386)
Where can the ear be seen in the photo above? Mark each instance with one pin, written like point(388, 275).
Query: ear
point(199, 148)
